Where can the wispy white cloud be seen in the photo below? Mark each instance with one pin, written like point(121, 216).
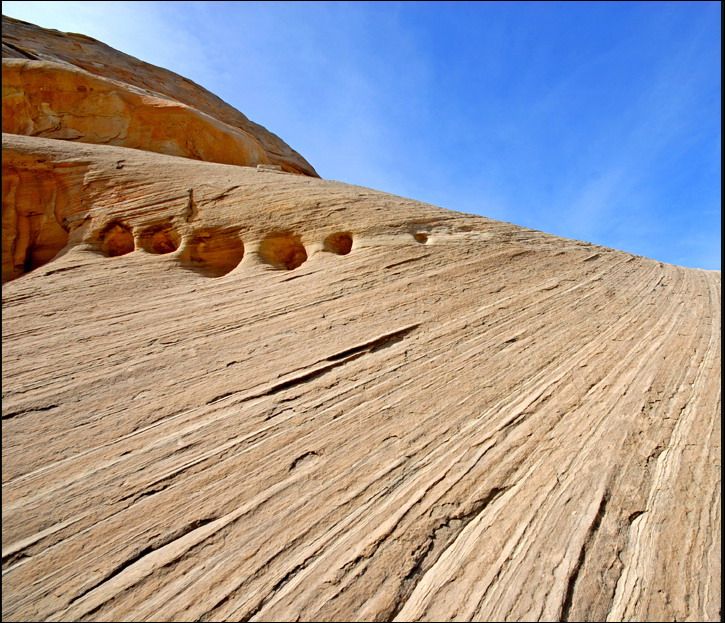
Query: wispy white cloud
point(142, 29)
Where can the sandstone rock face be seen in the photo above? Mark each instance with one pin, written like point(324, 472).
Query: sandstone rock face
point(233, 393)
point(68, 86)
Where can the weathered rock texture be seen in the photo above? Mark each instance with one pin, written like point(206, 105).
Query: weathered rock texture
point(69, 86)
point(241, 394)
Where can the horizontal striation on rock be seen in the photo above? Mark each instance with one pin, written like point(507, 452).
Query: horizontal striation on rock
point(237, 394)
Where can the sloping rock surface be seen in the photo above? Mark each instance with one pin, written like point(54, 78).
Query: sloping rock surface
point(240, 394)
point(69, 86)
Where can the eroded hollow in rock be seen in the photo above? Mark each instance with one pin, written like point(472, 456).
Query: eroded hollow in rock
point(160, 239)
point(340, 243)
point(421, 237)
point(34, 247)
point(214, 252)
point(32, 234)
point(45, 247)
point(282, 250)
point(116, 239)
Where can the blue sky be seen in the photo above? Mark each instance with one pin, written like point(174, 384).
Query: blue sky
point(596, 121)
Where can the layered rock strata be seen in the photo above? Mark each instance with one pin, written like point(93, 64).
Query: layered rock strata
point(72, 87)
point(236, 393)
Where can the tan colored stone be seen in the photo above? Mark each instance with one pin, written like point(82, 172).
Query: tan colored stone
point(241, 395)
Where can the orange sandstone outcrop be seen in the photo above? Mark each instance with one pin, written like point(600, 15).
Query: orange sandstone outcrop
point(235, 393)
point(68, 86)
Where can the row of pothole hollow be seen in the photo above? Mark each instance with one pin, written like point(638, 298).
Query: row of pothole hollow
point(214, 252)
